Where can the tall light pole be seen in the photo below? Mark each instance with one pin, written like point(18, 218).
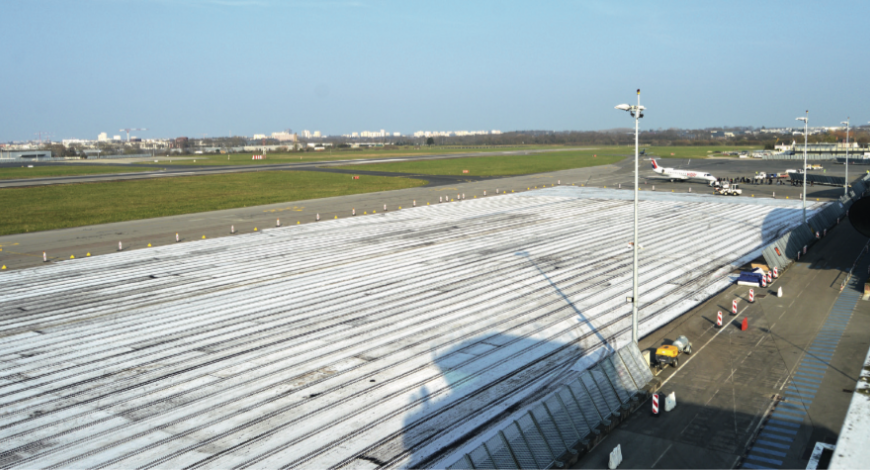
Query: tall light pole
point(637, 113)
point(846, 181)
point(805, 119)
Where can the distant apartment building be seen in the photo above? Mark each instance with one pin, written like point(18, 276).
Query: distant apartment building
point(259, 136)
point(284, 136)
point(317, 134)
point(306, 134)
point(116, 137)
point(180, 142)
point(103, 137)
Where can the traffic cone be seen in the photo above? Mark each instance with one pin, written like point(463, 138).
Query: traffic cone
point(779, 292)
point(744, 325)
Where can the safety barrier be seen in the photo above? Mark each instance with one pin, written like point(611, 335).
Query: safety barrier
point(572, 417)
point(783, 251)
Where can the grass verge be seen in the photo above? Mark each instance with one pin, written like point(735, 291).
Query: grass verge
point(38, 171)
point(500, 165)
point(74, 205)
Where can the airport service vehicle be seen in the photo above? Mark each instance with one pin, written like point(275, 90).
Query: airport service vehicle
point(728, 189)
point(681, 175)
point(794, 171)
point(668, 354)
point(814, 167)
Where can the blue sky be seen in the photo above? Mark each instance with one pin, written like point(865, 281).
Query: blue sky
point(191, 67)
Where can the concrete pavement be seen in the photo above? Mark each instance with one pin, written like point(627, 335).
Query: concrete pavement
point(759, 398)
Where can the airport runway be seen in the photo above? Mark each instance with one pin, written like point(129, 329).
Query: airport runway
point(759, 398)
point(325, 165)
point(23, 250)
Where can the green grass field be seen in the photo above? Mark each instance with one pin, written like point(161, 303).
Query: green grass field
point(9, 173)
point(693, 152)
point(501, 165)
point(75, 205)
point(337, 154)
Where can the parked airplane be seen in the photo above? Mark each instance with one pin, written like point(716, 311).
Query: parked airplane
point(682, 175)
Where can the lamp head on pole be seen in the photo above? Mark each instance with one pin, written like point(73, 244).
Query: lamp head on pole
point(801, 119)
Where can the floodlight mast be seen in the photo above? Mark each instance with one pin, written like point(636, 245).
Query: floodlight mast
point(846, 181)
point(637, 113)
point(806, 120)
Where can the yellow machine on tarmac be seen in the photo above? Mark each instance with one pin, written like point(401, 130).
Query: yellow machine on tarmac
point(668, 354)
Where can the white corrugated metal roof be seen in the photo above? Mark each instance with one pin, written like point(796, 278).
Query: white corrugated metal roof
point(379, 340)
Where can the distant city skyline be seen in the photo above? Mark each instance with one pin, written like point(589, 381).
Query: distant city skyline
point(194, 67)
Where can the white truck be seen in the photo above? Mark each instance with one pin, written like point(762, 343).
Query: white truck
point(728, 189)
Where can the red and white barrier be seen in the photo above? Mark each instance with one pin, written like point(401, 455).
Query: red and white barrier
point(232, 229)
point(414, 203)
point(317, 217)
point(763, 281)
point(719, 319)
point(751, 295)
point(257, 157)
point(353, 212)
point(120, 246)
point(44, 257)
point(805, 249)
point(439, 199)
point(734, 307)
point(277, 222)
point(176, 237)
point(775, 272)
point(817, 235)
point(385, 207)
point(655, 404)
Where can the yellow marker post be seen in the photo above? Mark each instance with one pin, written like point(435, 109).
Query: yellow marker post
point(427, 203)
point(255, 229)
point(72, 256)
point(336, 217)
point(88, 254)
point(365, 213)
point(149, 245)
point(297, 222)
point(4, 267)
point(753, 195)
point(203, 237)
point(374, 211)
point(400, 207)
point(786, 197)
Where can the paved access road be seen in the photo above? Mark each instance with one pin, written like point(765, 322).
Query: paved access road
point(759, 398)
point(324, 165)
